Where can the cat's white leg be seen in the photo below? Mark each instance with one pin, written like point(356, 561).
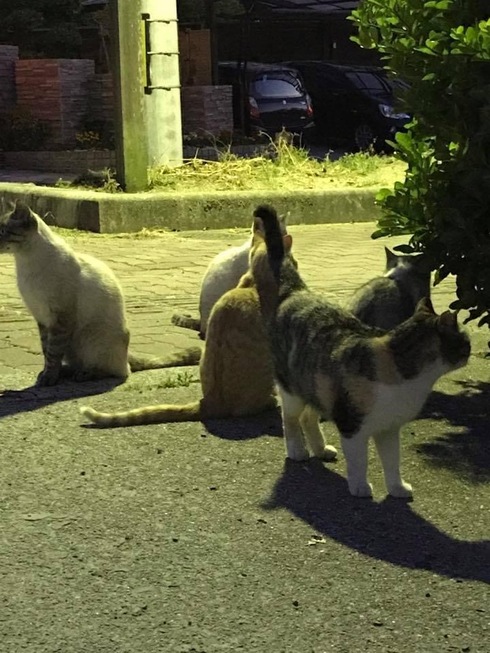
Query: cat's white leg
point(355, 450)
point(309, 421)
point(292, 407)
point(388, 446)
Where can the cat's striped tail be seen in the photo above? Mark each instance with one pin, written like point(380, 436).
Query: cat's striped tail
point(159, 414)
point(189, 356)
point(186, 321)
point(273, 236)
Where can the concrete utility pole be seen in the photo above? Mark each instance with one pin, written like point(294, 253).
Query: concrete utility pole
point(147, 88)
point(128, 76)
point(162, 90)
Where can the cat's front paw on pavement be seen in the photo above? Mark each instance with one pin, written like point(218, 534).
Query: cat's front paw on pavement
point(361, 489)
point(401, 490)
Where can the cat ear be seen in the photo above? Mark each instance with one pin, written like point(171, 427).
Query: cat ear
point(23, 215)
point(287, 239)
point(257, 238)
point(283, 219)
point(425, 306)
point(422, 263)
point(391, 258)
point(257, 225)
point(448, 320)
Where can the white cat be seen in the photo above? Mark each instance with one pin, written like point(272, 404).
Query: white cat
point(77, 303)
point(223, 273)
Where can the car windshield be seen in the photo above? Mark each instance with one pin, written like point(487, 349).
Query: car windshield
point(370, 83)
point(276, 84)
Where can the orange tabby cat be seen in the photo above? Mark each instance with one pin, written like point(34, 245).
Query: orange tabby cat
point(236, 368)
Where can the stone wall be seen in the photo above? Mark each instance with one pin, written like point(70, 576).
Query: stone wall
point(8, 56)
point(207, 109)
point(55, 91)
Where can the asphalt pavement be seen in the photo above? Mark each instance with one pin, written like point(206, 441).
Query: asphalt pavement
point(198, 537)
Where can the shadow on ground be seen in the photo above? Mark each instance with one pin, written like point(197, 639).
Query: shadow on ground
point(246, 428)
point(13, 402)
point(466, 451)
point(389, 531)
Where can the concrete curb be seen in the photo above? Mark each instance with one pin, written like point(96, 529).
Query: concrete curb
point(130, 212)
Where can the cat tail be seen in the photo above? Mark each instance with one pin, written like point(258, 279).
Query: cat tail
point(186, 321)
point(189, 356)
point(159, 414)
point(273, 237)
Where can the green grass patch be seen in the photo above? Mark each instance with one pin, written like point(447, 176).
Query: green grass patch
point(179, 380)
point(284, 166)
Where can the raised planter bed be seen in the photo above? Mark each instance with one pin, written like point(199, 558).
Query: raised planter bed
point(72, 161)
point(78, 161)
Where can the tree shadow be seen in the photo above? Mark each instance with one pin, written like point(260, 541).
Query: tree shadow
point(13, 402)
point(465, 452)
point(389, 530)
point(246, 428)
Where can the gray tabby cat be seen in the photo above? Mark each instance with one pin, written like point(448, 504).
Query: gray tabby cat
point(77, 303)
point(387, 301)
point(328, 363)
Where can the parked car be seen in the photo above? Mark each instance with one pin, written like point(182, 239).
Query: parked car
point(267, 97)
point(354, 103)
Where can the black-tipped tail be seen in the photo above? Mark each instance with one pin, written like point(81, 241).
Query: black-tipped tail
point(273, 236)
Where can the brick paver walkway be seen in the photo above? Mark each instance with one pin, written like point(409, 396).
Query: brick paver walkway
point(161, 274)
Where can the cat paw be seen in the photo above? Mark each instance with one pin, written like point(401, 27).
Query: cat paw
point(401, 490)
point(361, 489)
point(328, 453)
point(297, 453)
point(80, 376)
point(47, 378)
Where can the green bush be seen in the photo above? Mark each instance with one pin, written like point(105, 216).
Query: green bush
point(442, 49)
point(20, 131)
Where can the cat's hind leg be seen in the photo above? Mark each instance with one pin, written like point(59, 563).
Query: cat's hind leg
point(291, 407)
point(388, 446)
point(309, 421)
point(101, 355)
point(355, 449)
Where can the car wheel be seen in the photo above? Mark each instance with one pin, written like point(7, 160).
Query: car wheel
point(365, 137)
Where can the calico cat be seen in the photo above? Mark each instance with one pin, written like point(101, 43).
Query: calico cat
point(236, 367)
point(387, 301)
point(77, 303)
point(367, 381)
point(223, 273)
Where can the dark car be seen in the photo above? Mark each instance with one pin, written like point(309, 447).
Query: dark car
point(353, 103)
point(267, 97)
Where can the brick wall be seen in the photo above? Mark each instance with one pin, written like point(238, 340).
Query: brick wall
point(101, 98)
point(207, 109)
point(77, 161)
point(74, 79)
point(8, 56)
point(55, 91)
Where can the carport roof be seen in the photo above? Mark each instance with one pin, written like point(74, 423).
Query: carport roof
point(319, 7)
point(282, 6)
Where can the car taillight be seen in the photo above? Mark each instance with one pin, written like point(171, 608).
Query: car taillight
point(309, 107)
point(253, 108)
